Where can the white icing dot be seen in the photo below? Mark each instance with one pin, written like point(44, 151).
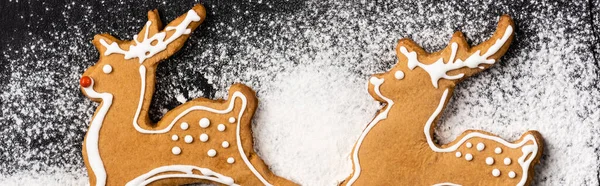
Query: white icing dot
point(176, 150)
point(230, 160)
point(498, 150)
point(203, 137)
point(458, 154)
point(231, 120)
point(399, 75)
point(225, 144)
point(188, 139)
point(107, 69)
point(507, 161)
point(212, 152)
point(204, 122)
point(221, 127)
point(468, 157)
point(512, 174)
point(469, 145)
point(480, 146)
point(184, 126)
point(496, 172)
point(489, 160)
point(174, 137)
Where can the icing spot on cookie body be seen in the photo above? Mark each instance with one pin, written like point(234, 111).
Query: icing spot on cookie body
point(512, 174)
point(469, 145)
point(489, 160)
point(507, 161)
point(231, 120)
point(184, 126)
point(498, 150)
point(230, 160)
point(480, 146)
point(204, 122)
point(468, 157)
point(176, 150)
point(225, 144)
point(203, 137)
point(212, 153)
point(174, 137)
point(496, 172)
point(188, 139)
point(458, 154)
point(221, 127)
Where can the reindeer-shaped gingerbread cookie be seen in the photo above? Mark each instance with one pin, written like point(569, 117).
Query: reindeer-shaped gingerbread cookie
point(201, 141)
point(397, 147)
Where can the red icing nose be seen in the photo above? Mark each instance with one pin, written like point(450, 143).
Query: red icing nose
point(85, 81)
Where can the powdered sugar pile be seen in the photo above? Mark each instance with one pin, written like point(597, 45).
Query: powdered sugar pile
point(309, 63)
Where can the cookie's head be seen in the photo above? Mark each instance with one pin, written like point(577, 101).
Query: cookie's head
point(123, 63)
point(418, 72)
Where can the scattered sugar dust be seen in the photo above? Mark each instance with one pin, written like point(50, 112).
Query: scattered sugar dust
point(310, 67)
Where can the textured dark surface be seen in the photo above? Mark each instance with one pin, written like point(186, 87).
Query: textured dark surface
point(548, 80)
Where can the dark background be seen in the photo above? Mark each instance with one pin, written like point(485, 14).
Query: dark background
point(45, 47)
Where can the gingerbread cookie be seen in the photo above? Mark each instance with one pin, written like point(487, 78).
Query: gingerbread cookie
point(201, 141)
point(397, 147)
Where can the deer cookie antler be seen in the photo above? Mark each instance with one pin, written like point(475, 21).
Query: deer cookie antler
point(151, 41)
point(202, 140)
point(397, 148)
point(460, 59)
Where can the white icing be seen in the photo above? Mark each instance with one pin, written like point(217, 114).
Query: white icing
point(174, 137)
point(439, 69)
point(498, 150)
point(204, 122)
point(225, 144)
point(480, 146)
point(381, 116)
point(107, 69)
point(203, 137)
point(92, 135)
point(469, 145)
point(165, 172)
point(507, 161)
point(176, 150)
point(212, 152)
point(525, 149)
point(184, 126)
point(231, 120)
point(230, 160)
point(458, 154)
point(489, 161)
point(512, 174)
point(446, 184)
point(468, 157)
point(496, 172)
point(188, 139)
point(399, 75)
point(145, 49)
point(221, 127)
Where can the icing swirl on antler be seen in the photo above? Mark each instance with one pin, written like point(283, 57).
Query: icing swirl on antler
point(439, 69)
point(145, 49)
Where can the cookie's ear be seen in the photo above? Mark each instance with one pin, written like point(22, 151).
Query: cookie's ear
point(102, 41)
point(153, 26)
point(458, 60)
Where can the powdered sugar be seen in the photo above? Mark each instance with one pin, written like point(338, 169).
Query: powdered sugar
point(309, 63)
